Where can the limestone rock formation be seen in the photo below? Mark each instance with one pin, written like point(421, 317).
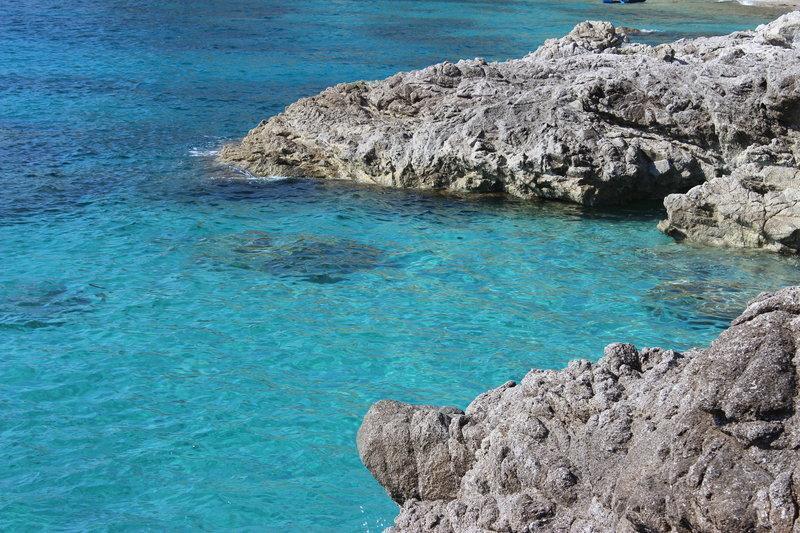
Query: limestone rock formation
point(752, 208)
point(643, 440)
point(589, 118)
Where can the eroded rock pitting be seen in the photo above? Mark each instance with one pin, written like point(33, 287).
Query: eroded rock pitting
point(589, 118)
point(642, 440)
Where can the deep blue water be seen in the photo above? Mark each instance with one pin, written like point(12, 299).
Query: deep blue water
point(185, 349)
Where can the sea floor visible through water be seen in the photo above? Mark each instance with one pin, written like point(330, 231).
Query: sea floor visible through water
point(184, 347)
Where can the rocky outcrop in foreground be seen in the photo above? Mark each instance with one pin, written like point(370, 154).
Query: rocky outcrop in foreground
point(589, 118)
point(643, 440)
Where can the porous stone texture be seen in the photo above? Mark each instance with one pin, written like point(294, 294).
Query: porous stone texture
point(642, 440)
point(589, 118)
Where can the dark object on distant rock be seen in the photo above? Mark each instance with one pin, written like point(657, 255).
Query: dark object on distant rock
point(588, 118)
point(643, 440)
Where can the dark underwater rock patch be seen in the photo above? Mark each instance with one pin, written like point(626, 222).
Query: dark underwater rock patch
point(45, 304)
point(322, 260)
point(698, 303)
point(240, 250)
point(309, 258)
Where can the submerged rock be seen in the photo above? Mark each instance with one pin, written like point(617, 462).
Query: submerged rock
point(321, 260)
point(697, 303)
point(643, 440)
point(309, 258)
point(589, 118)
point(46, 304)
point(245, 250)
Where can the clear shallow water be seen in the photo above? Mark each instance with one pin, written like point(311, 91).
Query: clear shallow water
point(184, 349)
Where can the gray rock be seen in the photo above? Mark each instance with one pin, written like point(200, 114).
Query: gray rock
point(589, 118)
point(643, 440)
point(752, 208)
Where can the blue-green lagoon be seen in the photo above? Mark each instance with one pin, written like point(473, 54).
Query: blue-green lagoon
point(184, 347)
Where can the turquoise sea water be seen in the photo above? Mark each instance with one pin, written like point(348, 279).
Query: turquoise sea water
point(183, 348)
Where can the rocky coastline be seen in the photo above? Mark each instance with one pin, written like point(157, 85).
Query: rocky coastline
point(711, 125)
point(645, 439)
point(642, 440)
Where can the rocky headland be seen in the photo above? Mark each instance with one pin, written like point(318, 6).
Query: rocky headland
point(590, 118)
point(642, 440)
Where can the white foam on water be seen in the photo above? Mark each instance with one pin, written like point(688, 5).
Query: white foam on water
point(266, 179)
point(200, 152)
point(243, 175)
point(248, 176)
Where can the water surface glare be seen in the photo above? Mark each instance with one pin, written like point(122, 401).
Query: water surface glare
point(185, 348)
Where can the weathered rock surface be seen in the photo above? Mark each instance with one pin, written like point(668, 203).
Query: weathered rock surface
point(753, 208)
point(589, 118)
point(643, 440)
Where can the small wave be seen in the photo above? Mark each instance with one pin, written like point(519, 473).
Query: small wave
point(632, 32)
point(246, 176)
point(242, 174)
point(251, 177)
point(200, 152)
point(638, 31)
